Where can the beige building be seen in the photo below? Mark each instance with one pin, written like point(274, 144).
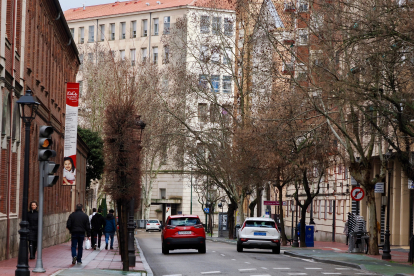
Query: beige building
point(133, 30)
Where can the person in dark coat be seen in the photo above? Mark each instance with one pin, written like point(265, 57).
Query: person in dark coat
point(98, 224)
point(78, 225)
point(110, 229)
point(33, 218)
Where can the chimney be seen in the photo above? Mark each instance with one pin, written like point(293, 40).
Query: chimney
point(147, 4)
point(159, 2)
point(83, 6)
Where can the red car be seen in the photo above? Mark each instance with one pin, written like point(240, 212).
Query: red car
point(183, 232)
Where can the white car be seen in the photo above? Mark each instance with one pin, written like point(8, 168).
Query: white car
point(153, 224)
point(259, 233)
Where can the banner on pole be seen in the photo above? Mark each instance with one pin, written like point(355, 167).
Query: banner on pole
point(71, 133)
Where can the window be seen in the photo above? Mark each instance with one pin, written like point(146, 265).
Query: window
point(205, 24)
point(303, 5)
point(204, 53)
point(226, 84)
point(338, 207)
point(72, 31)
point(167, 22)
point(144, 54)
point(123, 30)
point(216, 25)
point(81, 35)
point(163, 194)
point(326, 209)
point(303, 37)
point(155, 55)
point(156, 25)
point(228, 26)
point(145, 27)
point(133, 29)
point(315, 206)
point(320, 209)
point(317, 21)
point(227, 56)
point(215, 54)
point(122, 54)
point(202, 112)
point(226, 112)
point(90, 57)
point(214, 113)
point(215, 83)
point(102, 34)
point(330, 206)
point(81, 59)
point(132, 57)
point(112, 31)
point(91, 34)
point(166, 58)
point(202, 81)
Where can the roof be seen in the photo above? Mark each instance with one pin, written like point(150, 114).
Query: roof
point(125, 7)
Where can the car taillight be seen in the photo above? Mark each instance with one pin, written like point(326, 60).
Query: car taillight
point(170, 227)
point(148, 224)
point(243, 240)
point(198, 226)
point(157, 224)
point(275, 241)
point(244, 224)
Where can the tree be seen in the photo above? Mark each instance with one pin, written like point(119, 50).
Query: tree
point(95, 160)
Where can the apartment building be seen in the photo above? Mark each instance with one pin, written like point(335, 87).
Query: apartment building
point(133, 30)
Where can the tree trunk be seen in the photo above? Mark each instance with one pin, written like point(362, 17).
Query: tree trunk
point(124, 230)
point(372, 216)
point(120, 243)
point(230, 219)
point(282, 222)
point(303, 225)
point(240, 213)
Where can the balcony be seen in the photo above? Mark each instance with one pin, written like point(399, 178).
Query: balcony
point(287, 69)
point(289, 6)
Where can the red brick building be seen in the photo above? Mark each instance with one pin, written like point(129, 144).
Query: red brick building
point(36, 53)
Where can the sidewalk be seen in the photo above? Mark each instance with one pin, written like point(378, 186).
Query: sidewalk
point(337, 253)
point(57, 260)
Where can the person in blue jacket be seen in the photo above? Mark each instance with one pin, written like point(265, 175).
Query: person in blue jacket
point(110, 229)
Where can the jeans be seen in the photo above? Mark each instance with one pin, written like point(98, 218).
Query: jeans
point(77, 240)
point(107, 235)
point(94, 234)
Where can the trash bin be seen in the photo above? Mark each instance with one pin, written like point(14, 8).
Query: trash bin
point(236, 230)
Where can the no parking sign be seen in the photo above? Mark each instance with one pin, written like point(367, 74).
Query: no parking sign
point(357, 193)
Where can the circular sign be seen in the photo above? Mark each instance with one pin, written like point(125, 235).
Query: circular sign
point(357, 193)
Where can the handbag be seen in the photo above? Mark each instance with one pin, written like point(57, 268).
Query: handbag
point(88, 244)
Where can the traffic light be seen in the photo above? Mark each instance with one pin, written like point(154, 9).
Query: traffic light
point(49, 179)
point(48, 168)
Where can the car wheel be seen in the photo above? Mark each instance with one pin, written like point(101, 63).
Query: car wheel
point(165, 250)
point(276, 250)
point(202, 249)
point(146, 230)
point(239, 247)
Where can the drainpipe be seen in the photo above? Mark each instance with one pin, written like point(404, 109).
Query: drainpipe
point(149, 39)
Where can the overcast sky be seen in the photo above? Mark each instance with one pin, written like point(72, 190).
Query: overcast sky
point(68, 4)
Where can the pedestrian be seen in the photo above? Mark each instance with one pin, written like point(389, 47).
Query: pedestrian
point(98, 225)
point(298, 229)
point(346, 231)
point(90, 217)
point(110, 229)
point(78, 225)
point(33, 219)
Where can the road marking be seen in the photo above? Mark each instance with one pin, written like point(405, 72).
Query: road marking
point(297, 274)
point(263, 268)
point(281, 268)
point(342, 268)
point(247, 269)
point(366, 274)
point(233, 259)
point(211, 272)
point(246, 262)
point(312, 268)
point(174, 275)
point(308, 260)
point(331, 273)
point(222, 255)
point(262, 275)
point(213, 251)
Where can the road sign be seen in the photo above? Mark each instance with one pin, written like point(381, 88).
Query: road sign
point(206, 210)
point(274, 203)
point(410, 184)
point(357, 193)
point(379, 187)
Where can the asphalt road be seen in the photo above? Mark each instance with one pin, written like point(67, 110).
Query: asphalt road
point(223, 259)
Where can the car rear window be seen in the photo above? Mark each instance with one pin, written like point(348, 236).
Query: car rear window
point(153, 221)
point(184, 221)
point(258, 223)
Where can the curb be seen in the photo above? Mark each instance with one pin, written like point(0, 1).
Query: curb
point(219, 240)
point(289, 253)
point(401, 274)
point(144, 261)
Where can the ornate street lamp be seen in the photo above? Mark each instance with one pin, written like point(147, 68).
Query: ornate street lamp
point(386, 251)
point(139, 124)
point(28, 106)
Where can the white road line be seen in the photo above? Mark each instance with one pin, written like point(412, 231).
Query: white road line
point(233, 259)
point(342, 268)
point(308, 260)
point(222, 255)
point(246, 262)
point(313, 268)
point(365, 274)
point(173, 275)
point(247, 269)
point(262, 275)
point(331, 273)
point(263, 268)
point(211, 272)
point(297, 274)
point(281, 268)
point(213, 251)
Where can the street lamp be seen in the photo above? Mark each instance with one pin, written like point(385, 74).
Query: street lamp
point(386, 251)
point(28, 106)
point(221, 205)
point(139, 124)
point(295, 239)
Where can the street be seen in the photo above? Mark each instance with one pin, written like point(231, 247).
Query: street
point(223, 259)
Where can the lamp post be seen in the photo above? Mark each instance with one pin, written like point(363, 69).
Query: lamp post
point(221, 205)
point(131, 225)
point(27, 111)
point(295, 240)
point(386, 251)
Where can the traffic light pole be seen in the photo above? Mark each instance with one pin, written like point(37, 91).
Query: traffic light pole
point(39, 263)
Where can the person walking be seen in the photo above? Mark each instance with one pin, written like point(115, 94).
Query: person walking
point(78, 225)
point(110, 229)
point(98, 224)
point(91, 216)
point(33, 219)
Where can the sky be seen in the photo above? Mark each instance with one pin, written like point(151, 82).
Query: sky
point(68, 4)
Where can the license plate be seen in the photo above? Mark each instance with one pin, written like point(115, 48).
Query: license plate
point(184, 232)
point(259, 234)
